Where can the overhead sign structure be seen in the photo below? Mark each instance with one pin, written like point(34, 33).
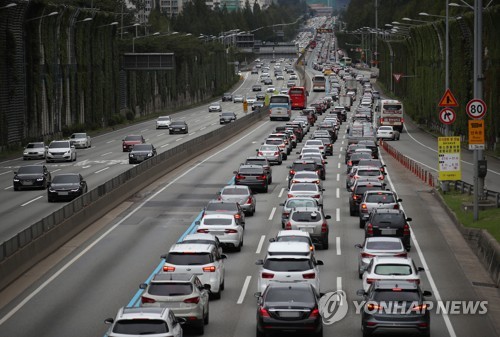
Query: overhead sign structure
point(397, 76)
point(448, 100)
point(476, 108)
point(449, 158)
point(447, 116)
point(476, 134)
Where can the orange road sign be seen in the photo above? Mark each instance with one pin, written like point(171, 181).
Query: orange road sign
point(448, 100)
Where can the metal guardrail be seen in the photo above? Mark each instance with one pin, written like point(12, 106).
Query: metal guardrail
point(464, 187)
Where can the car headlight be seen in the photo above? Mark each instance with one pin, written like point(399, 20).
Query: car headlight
point(39, 179)
point(25, 152)
point(16, 180)
point(75, 189)
point(183, 128)
point(51, 189)
point(130, 155)
point(150, 154)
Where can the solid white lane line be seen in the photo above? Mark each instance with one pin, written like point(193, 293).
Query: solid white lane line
point(1, 174)
point(164, 146)
point(337, 215)
point(337, 245)
point(142, 131)
point(281, 192)
point(29, 202)
point(91, 245)
point(178, 139)
point(8, 187)
point(160, 134)
point(203, 128)
point(244, 290)
point(111, 141)
point(272, 213)
point(338, 192)
point(104, 169)
point(261, 242)
point(86, 166)
point(105, 154)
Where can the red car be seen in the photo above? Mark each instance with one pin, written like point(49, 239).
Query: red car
point(129, 142)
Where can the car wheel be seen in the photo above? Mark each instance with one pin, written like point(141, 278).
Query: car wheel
point(285, 156)
point(320, 333)
point(50, 199)
point(16, 188)
point(361, 223)
point(75, 157)
point(216, 296)
point(366, 333)
point(200, 329)
point(325, 244)
point(222, 286)
point(271, 180)
point(360, 275)
point(351, 212)
point(259, 333)
point(266, 189)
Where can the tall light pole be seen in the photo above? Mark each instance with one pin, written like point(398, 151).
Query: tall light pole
point(12, 4)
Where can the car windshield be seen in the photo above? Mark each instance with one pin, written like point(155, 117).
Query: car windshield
point(393, 269)
point(178, 124)
point(79, 135)
point(383, 245)
point(34, 145)
point(228, 114)
point(29, 169)
point(188, 259)
point(170, 289)
point(59, 145)
point(142, 147)
point(222, 206)
point(304, 187)
point(290, 265)
point(380, 198)
point(164, 119)
point(133, 138)
point(217, 222)
point(290, 294)
point(409, 296)
point(65, 179)
point(140, 327)
point(306, 216)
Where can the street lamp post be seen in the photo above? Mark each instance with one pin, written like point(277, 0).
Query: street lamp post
point(12, 4)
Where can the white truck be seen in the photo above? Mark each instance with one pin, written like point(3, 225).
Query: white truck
point(345, 101)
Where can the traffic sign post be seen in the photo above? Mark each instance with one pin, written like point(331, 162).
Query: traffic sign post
point(476, 134)
point(476, 108)
point(448, 100)
point(447, 116)
point(397, 76)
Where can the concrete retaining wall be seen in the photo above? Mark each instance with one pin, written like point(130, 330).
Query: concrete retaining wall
point(35, 243)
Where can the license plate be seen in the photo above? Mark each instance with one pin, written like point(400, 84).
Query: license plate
point(388, 231)
point(307, 229)
point(289, 314)
point(62, 193)
point(27, 183)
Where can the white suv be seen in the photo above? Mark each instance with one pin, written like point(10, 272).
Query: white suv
point(204, 260)
point(60, 150)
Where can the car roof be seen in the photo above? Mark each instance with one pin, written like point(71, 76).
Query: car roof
point(191, 248)
point(176, 277)
point(293, 232)
point(282, 248)
point(218, 216)
point(392, 260)
point(142, 312)
point(200, 236)
point(382, 239)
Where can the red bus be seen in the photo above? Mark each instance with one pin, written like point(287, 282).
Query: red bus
point(298, 96)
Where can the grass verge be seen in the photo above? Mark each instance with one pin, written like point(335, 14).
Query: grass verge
point(488, 219)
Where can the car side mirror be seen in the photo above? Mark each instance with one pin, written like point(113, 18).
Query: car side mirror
point(328, 217)
point(197, 222)
point(257, 294)
point(282, 204)
point(426, 293)
point(360, 292)
point(180, 320)
point(259, 262)
point(15, 172)
point(272, 240)
point(143, 286)
point(235, 172)
point(164, 256)
point(408, 219)
point(207, 286)
point(400, 200)
point(420, 269)
point(223, 256)
point(109, 320)
point(319, 262)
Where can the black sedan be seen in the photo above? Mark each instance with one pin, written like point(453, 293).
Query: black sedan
point(141, 152)
point(66, 186)
point(227, 117)
point(31, 176)
point(178, 127)
point(289, 307)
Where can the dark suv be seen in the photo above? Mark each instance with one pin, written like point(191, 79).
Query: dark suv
point(357, 194)
point(393, 305)
point(389, 222)
point(302, 165)
point(253, 176)
point(262, 161)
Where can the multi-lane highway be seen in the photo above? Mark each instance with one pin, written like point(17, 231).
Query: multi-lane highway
point(89, 279)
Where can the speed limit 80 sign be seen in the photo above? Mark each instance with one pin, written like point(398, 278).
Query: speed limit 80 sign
point(476, 108)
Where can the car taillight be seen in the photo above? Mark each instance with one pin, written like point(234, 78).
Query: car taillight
point(369, 229)
point(147, 300)
point(396, 206)
point(267, 275)
point(367, 255)
point(364, 209)
point(290, 195)
point(419, 308)
point(309, 275)
point(288, 225)
point(286, 214)
point(210, 269)
point(401, 255)
point(292, 172)
point(406, 229)
point(202, 231)
point(230, 231)
point(262, 177)
point(239, 177)
point(276, 153)
point(349, 163)
point(316, 196)
point(168, 268)
point(355, 197)
point(324, 227)
point(263, 312)
point(372, 306)
point(381, 177)
point(355, 177)
point(237, 216)
point(316, 182)
point(314, 313)
point(371, 280)
point(260, 153)
point(192, 300)
point(249, 200)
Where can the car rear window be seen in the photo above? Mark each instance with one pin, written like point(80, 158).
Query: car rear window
point(368, 173)
point(399, 296)
point(140, 327)
point(380, 198)
point(306, 216)
point(290, 265)
point(217, 222)
point(170, 289)
point(393, 269)
point(304, 187)
point(255, 162)
point(364, 188)
point(251, 170)
point(185, 259)
point(383, 245)
point(290, 294)
point(389, 218)
point(304, 167)
point(222, 206)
